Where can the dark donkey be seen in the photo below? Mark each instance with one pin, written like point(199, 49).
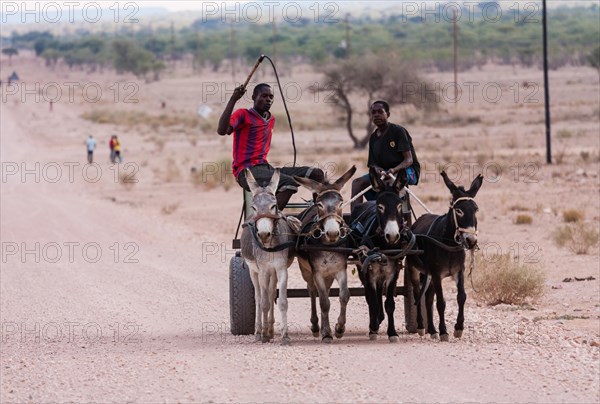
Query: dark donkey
point(323, 226)
point(381, 226)
point(444, 240)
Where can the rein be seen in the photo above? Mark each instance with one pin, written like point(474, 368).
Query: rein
point(460, 230)
point(279, 247)
point(251, 224)
point(313, 228)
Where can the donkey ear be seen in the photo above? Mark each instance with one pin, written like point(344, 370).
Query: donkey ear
point(475, 185)
point(339, 184)
point(376, 182)
point(252, 184)
point(453, 188)
point(272, 187)
point(309, 183)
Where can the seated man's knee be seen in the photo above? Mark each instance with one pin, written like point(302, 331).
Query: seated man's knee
point(317, 175)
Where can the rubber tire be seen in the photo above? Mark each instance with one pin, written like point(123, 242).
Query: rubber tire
point(242, 306)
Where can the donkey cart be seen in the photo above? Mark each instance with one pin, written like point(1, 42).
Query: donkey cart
point(241, 290)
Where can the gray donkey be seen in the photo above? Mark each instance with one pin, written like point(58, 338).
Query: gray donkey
point(268, 240)
point(323, 227)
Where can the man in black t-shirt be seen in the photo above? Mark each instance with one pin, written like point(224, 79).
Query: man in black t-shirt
point(390, 150)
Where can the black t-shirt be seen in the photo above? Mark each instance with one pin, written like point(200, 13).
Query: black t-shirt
point(386, 151)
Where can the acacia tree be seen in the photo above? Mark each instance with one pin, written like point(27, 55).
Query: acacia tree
point(373, 77)
point(10, 52)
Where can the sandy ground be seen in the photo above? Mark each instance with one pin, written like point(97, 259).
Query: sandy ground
point(120, 294)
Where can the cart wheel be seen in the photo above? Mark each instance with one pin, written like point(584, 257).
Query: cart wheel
point(241, 297)
point(410, 310)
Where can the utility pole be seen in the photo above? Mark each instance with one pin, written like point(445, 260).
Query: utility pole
point(546, 85)
point(232, 47)
point(455, 32)
point(274, 41)
point(172, 42)
point(347, 24)
point(197, 61)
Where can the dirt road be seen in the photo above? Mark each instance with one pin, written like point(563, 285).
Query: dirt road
point(103, 299)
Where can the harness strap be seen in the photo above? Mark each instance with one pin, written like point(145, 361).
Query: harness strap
point(440, 244)
point(279, 247)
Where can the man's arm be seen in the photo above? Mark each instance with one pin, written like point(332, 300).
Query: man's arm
point(224, 127)
point(407, 162)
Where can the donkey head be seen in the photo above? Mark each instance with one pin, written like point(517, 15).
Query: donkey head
point(264, 205)
point(463, 210)
point(329, 203)
point(389, 206)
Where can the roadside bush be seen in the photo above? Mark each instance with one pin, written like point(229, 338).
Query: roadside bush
point(578, 237)
point(504, 279)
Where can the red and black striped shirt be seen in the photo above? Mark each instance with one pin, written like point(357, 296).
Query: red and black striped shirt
point(251, 138)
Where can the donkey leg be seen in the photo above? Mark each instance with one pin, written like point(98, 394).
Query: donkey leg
point(417, 287)
point(429, 293)
point(461, 298)
point(282, 303)
point(441, 308)
point(257, 299)
point(272, 297)
point(265, 304)
point(390, 306)
point(325, 304)
point(314, 318)
point(373, 303)
point(380, 315)
point(342, 279)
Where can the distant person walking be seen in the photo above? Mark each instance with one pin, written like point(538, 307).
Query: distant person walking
point(91, 145)
point(111, 144)
point(117, 148)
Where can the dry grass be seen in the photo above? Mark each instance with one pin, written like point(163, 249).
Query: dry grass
point(573, 216)
point(523, 219)
point(577, 237)
point(214, 174)
point(172, 172)
point(169, 209)
point(137, 118)
point(519, 208)
point(128, 180)
point(503, 279)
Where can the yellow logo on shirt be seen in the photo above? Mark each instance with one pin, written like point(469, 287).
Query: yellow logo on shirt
point(392, 144)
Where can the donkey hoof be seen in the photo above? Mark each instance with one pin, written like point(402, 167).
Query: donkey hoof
point(316, 334)
point(285, 341)
point(421, 331)
point(339, 331)
point(444, 338)
point(458, 333)
point(434, 335)
point(265, 339)
point(327, 339)
point(257, 337)
point(394, 338)
point(373, 337)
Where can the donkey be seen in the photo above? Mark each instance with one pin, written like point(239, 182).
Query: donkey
point(323, 226)
point(444, 239)
point(382, 226)
point(268, 240)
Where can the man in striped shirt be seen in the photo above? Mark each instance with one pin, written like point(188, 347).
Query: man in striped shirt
point(252, 131)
